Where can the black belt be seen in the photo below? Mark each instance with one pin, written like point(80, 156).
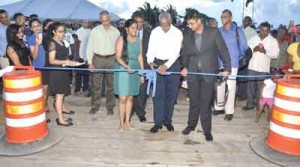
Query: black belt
point(104, 56)
point(161, 60)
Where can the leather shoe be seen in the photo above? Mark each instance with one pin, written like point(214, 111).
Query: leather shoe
point(209, 137)
point(228, 117)
point(142, 119)
point(246, 108)
point(155, 128)
point(169, 127)
point(110, 112)
point(187, 130)
point(217, 112)
point(93, 111)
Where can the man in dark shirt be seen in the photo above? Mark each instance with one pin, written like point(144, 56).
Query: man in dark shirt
point(200, 50)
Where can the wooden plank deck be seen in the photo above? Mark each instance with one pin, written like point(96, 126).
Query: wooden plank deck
point(94, 141)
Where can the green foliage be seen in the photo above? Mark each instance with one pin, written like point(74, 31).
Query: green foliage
point(204, 17)
point(151, 14)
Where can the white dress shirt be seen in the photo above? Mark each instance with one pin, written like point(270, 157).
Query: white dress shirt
point(249, 32)
point(141, 33)
point(164, 45)
point(83, 34)
point(260, 62)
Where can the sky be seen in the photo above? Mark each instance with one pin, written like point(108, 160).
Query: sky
point(274, 11)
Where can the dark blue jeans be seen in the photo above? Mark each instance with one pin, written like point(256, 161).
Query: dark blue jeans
point(166, 94)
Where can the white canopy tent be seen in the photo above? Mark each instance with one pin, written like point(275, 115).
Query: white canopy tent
point(58, 9)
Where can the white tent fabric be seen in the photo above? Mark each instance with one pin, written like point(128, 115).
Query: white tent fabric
point(58, 9)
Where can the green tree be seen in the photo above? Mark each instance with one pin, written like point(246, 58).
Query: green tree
point(172, 10)
point(204, 17)
point(150, 14)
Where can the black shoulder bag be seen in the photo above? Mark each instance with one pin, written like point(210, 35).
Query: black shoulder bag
point(245, 58)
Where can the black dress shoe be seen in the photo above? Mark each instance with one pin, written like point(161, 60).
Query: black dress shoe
point(246, 108)
point(61, 124)
point(169, 127)
point(155, 128)
point(110, 112)
point(71, 112)
point(217, 112)
point(187, 130)
point(209, 137)
point(228, 117)
point(142, 119)
point(93, 111)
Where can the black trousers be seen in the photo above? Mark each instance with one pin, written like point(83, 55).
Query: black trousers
point(166, 94)
point(201, 93)
point(140, 101)
point(81, 80)
point(242, 83)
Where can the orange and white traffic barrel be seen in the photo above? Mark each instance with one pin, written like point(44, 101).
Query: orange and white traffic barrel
point(284, 131)
point(25, 117)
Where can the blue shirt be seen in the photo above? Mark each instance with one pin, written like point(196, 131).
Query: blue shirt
point(230, 38)
point(3, 41)
point(40, 60)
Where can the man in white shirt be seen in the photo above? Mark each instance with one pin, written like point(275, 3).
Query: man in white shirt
point(83, 33)
point(264, 48)
point(248, 30)
point(163, 52)
point(82, 77)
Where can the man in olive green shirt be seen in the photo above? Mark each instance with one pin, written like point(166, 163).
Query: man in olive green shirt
point(101, 54)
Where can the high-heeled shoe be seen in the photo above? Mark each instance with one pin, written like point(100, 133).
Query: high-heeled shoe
point(61, 124)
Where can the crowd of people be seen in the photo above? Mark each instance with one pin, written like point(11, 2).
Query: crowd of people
point(194, 47)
